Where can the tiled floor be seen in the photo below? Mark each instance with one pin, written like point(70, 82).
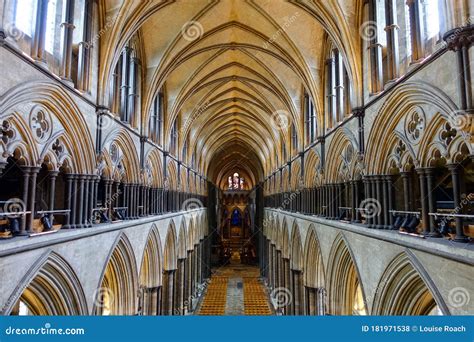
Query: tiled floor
point(235, 290)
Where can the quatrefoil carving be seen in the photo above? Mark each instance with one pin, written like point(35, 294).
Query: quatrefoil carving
point(40, 124)
point(7, 132)
point(400, 148)
point(448, 134)
point(415, 125)
point(58, 148)
point(114, 153)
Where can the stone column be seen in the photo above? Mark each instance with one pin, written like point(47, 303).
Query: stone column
point(379, 201)
point(385, 214)
point(32, 197)
point(125, 200)
point(416, 29)
point(80, 200)
point(74, 211)
point(460, 236)
point(391, 30)
point(430, 182)
point(406, 190)
point(388, 185)
point(353, 201)
point(424, 202)
point(68, 206)
point(68, 27)
point(52, 192)
point(368, 192)
point(25, 187)
point(37, 52)
point(87, 214)
point(375, 53)
point(373, 183)
point(168, 287)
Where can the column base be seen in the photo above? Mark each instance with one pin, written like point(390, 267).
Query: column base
point(434, 234)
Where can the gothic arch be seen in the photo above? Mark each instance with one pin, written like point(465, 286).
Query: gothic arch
point(170, 250)
point(155, 165)
point(297, 255)
point(342, 166)
point(191, 235)
point(406, 289)
point(123, 155)
point(50, 287)
point(345, 291)
point(285, 241)
point(412, 101)
point(172, 175)
point(312, 168)
point(117, 291)
point(61, 117)
point(151, 269)
point(314, 267)
point(182, 240)
point(296, 181)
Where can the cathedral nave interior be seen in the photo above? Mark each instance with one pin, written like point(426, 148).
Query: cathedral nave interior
point(236, 157)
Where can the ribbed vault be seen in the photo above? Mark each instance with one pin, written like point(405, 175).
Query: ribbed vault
point(233, 73)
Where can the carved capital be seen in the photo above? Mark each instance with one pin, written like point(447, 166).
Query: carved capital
point(358, 112)
point(459, 37)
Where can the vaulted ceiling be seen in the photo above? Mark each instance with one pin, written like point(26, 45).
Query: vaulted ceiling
point(233, 71)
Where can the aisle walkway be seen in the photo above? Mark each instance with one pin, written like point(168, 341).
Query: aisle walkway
point(235, 290)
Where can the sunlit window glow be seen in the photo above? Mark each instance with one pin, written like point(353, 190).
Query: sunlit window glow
point(432, 18)
point(25, 16)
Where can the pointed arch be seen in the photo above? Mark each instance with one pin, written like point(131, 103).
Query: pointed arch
point(297, 257)
point(50, 287)
point(123, 154)
point(311, 168)
point(405, 289)
point(182, 240)
point(343, 149)
point(410, 97)
point(151, 269)
point(314, 267)
point(285, 241)
point(63, 113)
point(155, 164)
point(117, 291)
point(170, 254)
point(345, 290)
